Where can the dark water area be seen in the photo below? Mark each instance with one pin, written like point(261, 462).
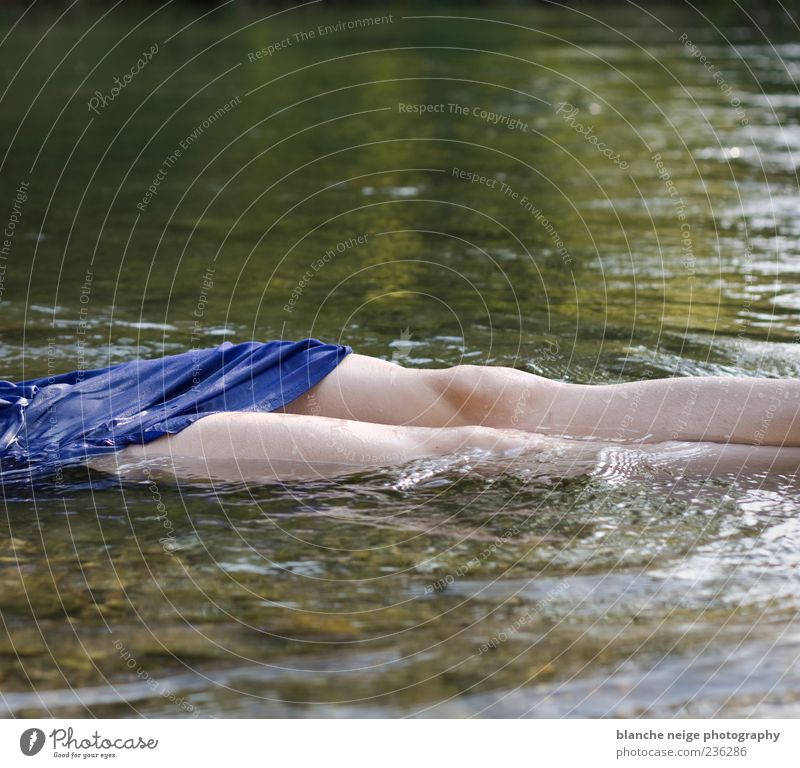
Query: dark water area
point(572, 193)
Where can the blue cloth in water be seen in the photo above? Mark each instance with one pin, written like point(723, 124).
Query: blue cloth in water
point(53, 420)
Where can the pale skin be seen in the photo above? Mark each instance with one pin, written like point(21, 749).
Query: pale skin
point(369, 412)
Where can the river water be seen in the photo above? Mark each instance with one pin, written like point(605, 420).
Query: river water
point(591, 199)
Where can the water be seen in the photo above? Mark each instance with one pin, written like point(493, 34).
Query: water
point(613, 584)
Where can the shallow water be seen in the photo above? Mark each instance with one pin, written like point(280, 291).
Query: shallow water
point(592, 582)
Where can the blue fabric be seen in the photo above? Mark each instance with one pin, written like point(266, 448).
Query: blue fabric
point(53, 420)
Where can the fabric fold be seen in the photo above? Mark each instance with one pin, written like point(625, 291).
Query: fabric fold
point(64, 418)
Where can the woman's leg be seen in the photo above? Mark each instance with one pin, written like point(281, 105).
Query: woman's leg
point(256, 447)
point(716, 409)
point(365, 388)
point(281, 437)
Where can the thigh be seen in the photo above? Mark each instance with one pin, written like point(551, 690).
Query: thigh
point(367, 389)
point(263, 437)
point(256, 446)
point(363, 388)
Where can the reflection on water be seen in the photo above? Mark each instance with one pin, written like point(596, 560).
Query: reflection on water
point(581, 579)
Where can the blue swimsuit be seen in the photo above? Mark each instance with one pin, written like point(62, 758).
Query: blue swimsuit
point(53, 420)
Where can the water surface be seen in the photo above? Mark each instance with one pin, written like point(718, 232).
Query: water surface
point(312, 199)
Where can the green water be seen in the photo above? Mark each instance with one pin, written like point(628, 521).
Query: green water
point(436, 588)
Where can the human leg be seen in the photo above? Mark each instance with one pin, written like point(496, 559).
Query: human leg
point(721, 409)
point(267, 437)
point(365, 388)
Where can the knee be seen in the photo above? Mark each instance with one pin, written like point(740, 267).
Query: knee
point(465, 391)
point(493, 396)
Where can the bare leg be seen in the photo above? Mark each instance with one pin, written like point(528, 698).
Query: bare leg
point(752, 411)
point(257, 447)
point(266, 437)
